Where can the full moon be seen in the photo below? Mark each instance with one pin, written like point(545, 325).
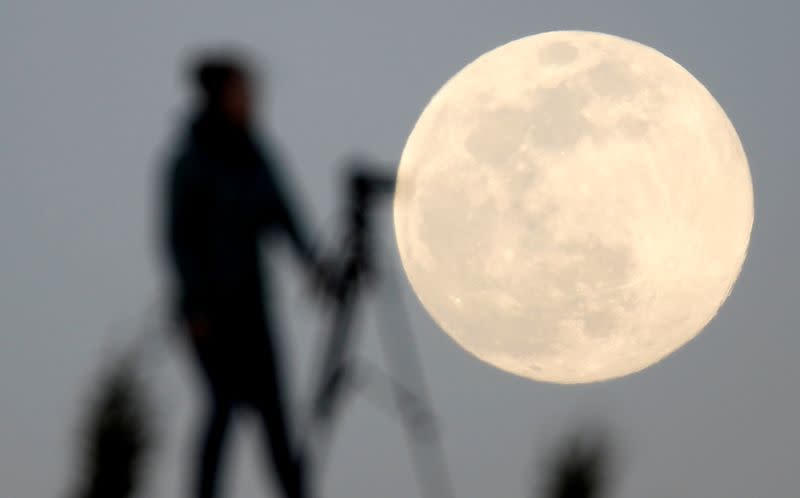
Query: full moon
point(573, 207)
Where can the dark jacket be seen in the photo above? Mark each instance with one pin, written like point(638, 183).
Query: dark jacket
point(223, 196)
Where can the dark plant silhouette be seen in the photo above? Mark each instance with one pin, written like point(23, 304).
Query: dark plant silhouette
point(581, 468)
point(117, 434)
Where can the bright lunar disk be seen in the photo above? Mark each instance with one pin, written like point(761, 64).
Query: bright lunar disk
point(573, 207)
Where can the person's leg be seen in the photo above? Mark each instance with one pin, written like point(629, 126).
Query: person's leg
point(287, 460)
point(265, 388)
point(213, 358)
point(211, 448)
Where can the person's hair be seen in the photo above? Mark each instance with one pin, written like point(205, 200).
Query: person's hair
point(210, 72)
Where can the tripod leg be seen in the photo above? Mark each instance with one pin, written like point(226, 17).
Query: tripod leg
point(334, 370)
point(333, 376)
point(403, 360)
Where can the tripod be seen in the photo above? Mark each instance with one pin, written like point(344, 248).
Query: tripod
point(339, 369)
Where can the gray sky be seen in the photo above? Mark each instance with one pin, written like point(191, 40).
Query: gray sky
point(89, 94)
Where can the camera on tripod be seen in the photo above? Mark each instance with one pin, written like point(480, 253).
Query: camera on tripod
point(367, 185)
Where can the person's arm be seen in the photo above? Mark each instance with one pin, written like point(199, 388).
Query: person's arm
point(281, 209)
point(284, 211)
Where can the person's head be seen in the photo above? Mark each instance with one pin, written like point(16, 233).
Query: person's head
point(224, 84)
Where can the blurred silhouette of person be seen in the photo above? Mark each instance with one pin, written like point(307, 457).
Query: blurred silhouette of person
point(224, 198)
